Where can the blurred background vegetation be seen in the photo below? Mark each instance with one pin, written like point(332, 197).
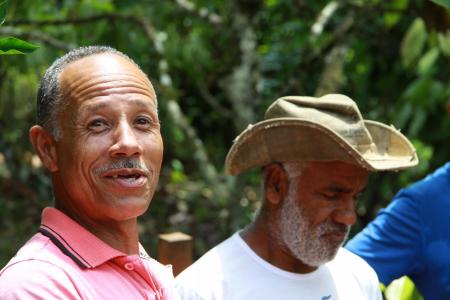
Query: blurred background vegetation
point(216, 66)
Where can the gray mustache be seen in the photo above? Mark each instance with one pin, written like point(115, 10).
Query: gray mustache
point(331, 226)
point(124, 163)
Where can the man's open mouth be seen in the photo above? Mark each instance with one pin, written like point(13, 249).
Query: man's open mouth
point(126, 177)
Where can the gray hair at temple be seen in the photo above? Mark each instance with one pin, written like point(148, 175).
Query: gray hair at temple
point(50, 97)
point(293, 168)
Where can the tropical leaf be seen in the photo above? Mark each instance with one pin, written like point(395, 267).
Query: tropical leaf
point(402, 289)
point(3, 5)
point(427, 61)
point(445, 3)
point(444, 43)
point(413, 43)
point(12, 45)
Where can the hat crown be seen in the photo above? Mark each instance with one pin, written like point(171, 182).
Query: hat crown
point(329, 128)
point(334, 111)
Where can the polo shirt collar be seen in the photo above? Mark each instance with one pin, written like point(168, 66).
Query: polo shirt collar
point(83, 247)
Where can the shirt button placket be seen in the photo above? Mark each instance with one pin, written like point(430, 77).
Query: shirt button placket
point(129, 266)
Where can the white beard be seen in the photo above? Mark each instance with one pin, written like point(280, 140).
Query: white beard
point(304, 241)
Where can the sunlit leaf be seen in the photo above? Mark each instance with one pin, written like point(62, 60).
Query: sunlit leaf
point(425, 92)
point(402, 289)
point(427, 61)
point(390, 19)
point(444, 43)
point(271, 3)
point(413, 43)
point(445, 3)
point(398, 4)
point(393, 15)
point(12, 45)
point(3, 6)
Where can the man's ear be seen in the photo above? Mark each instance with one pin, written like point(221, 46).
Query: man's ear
point(276, 183)
point(44, 144)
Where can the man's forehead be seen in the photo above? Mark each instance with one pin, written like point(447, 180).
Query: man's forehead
point(339, 173)
point(347, 186)
point(102, 63)
point(103, 73)
point(98, 105)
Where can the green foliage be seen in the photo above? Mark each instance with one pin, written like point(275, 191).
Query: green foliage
point(445, 3)
point(216, 66)
point(11, 45)
point(444, 43)
point(413, 43)
point(3, 6)
point(428, 62)
point(402, 289)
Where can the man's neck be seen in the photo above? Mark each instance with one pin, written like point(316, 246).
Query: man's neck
point(123, 236)
point(120, 235)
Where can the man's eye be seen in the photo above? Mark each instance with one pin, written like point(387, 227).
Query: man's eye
point(329, 196)
point(144, 122)
point(97, 125)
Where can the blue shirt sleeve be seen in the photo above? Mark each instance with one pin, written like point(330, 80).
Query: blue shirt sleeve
point(392, 243)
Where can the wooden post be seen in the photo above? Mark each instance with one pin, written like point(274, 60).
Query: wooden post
point(175, 249)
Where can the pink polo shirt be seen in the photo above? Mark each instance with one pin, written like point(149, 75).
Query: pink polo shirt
point(65, 261)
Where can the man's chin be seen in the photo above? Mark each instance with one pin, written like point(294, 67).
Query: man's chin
point(315, 260)
point(127, 208)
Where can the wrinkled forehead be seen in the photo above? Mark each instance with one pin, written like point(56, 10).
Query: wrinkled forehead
point(104, 69)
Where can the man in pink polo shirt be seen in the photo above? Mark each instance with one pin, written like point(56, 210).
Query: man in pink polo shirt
point(98, 134)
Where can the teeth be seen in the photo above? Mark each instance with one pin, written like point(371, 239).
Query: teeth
point(126, 176)
point(131, 176)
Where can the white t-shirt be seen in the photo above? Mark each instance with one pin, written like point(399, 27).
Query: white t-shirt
point(233, 271)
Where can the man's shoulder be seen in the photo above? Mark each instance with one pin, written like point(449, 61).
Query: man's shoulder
point(358, 266)
point(37, 248)
point(224, 251)
point(19, 270)
point(203, 279)
point(353, 275)
point(37, 256)
point(31, 272)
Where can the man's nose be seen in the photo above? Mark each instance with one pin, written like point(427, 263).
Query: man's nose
point(126, 142)
point(345, 212)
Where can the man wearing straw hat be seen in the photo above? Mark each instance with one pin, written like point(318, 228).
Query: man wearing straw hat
point(315, 155)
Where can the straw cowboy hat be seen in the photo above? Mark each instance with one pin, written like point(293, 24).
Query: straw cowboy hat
point(329, 128)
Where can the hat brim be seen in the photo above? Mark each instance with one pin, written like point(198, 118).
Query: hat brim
point(289, 139)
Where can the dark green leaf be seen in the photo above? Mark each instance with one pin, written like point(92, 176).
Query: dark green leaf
point(445, 3)
point(11, 45)
point(3, 6)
